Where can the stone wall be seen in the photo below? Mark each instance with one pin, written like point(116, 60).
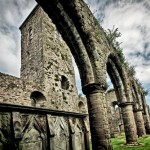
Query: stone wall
point(93, 52)
point(12, 90)
point(59, 78)
point(32, 48)
point(16, 91)
point(47, 73)
point(114, 114)
point(28, 128)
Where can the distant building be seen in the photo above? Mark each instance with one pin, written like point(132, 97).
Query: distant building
point(114, 114)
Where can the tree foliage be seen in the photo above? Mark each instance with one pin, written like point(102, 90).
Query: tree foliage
point(112, 36)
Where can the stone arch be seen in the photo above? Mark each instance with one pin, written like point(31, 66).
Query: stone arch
point(145, 113)
point(90, 33)
point(37, 98)
point(121, 74)
point(89, 46)
point(120, 80)
point(136, 100)
point(137, 106)
point(136, 92)
point(70, 34)
point(116, 79)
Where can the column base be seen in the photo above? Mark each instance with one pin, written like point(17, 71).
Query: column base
point(136, 144)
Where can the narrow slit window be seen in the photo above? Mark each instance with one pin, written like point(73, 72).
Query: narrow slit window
point(30, 35)
point(57, 37)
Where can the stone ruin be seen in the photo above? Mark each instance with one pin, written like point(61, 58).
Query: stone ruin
point(47, 82)
point(47, 74)
point(42, 110)
point(115, 115)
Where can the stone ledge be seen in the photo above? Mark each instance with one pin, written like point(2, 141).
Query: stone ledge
point(125, 104)
point(92, 88)
point(136, 110)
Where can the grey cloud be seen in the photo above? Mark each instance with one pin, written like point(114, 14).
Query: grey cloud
point(132, 19)
point(13, 11)
point(12, 14)
point(130, 16)
point(97, 7)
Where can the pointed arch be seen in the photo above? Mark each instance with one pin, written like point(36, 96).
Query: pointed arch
point(89, 46)
point(71, 36)
point(122, 75)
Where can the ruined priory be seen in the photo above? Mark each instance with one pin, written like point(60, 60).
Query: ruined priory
point(42, 110)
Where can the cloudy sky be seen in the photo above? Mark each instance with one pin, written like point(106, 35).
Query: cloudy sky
point(131, 17)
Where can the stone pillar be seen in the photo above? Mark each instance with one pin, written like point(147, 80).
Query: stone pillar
point(100, 132)
point(146, 115)
point(146, 121)
point(129, 122)
point(139, 123)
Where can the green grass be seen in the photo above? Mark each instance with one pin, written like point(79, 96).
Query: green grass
point(119, 143)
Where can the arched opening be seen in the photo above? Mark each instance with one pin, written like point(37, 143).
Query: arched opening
point(77, 77)
point(123, 92)
point(64, 83)
point(115, 105)
point(30, 34)
point(114, 113)
point(37, 98)
point(82, 108)
point(116, 80)
point(136, 93)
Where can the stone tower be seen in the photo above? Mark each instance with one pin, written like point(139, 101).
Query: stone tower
point(47, 63)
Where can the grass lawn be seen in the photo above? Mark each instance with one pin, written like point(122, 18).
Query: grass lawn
point(119, 143)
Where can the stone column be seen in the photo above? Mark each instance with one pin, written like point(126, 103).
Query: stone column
point(146, 115)
point(146, 121)
point(100, 132)
point(129, 122)
point(139, 123)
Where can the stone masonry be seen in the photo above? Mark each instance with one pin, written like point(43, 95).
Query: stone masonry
point(47, 81)
point(47, 74)
point(114, 114)
point(47, 85)
point(116, 119)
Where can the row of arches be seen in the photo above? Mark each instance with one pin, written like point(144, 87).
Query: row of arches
point(94, 56)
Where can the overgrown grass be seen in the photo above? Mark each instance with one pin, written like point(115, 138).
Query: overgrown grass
point(119, 143)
